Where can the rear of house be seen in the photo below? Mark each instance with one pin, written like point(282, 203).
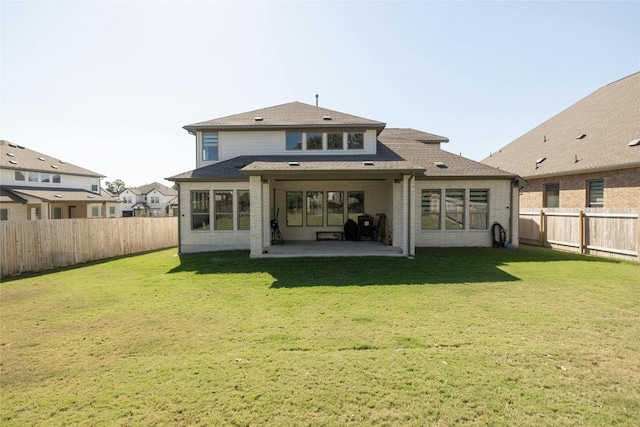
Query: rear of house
point(313, 169)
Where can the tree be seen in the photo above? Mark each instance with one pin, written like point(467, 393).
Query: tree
point(116, 187)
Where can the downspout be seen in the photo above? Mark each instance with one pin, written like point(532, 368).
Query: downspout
point(511, 187)
point(179, 220)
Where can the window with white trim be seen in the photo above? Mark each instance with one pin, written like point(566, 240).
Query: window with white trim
point(210, 146)
point(200, 208)
point(430, 209)
point(478, 209)
point(454, 209)
point(223, 210)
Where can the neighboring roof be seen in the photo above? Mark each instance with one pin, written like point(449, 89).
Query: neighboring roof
point(397, 150)
point(148, 188)
point(289, 116)
point(58, 194)
point(609, 119)
point(18, 157)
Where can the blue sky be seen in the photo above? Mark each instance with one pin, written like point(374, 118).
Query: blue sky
point(108, 85)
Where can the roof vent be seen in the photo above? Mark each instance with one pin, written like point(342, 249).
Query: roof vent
point(13, 162)
point(11, 155)
point(54, 166)
point(326, 118)
point(41, 159)
point(581, 136)
point(59, 196)
point(62, 162)
point(368, 163)
point(11, 144)
point(441, 165)
point(258, 118)
point(540, 160)
point(634, 143)
point(294, 163)
point(90, 197)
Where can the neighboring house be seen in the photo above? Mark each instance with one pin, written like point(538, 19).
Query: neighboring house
point(152, 199)
point(585, 156)
point(312, 169)
point(37, 186)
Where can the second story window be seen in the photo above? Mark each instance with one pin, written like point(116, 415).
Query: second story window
point(294, 141)
point(210, 146)
point(95, 184)
point(355, 141)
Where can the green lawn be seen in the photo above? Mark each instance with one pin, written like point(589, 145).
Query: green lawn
point(482, 337)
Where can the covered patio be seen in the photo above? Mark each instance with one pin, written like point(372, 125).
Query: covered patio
point(331, 248)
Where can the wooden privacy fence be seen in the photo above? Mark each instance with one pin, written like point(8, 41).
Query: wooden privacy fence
point(29, 246)
point(596, 231)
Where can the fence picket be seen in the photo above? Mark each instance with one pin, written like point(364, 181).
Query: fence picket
point(29, 246)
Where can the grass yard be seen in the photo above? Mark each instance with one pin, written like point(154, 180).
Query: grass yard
point(480, 337)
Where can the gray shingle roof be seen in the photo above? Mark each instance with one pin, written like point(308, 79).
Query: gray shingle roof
point(437, 163)
point(17, 157)
point(291, 115)
point(609, 118)
point(397, 151)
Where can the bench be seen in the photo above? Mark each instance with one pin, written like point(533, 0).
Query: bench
point(329, 235)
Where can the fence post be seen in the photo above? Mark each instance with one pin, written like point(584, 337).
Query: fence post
point(541, 227)
point(581, 229)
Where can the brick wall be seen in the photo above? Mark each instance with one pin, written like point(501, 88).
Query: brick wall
point(621, 189)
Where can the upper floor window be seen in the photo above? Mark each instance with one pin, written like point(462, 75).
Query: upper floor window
point(311, 141)
point(45, 177)
point(155, 199)
point(33, 176)
point(95, 184)
point(4, 214)
point(596, 194)
point(314, 141)
point(210, 146)
point(294, 141)
point(56, 178)
point(355, 141)
point(19, 176)
point(335, 141)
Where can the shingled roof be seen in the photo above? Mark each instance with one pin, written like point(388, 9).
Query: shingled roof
point(17, 157)
point(596, 133)
point(290, 115)
point(399, 150)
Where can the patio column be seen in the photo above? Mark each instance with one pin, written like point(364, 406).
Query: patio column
point(257, 223)
point(406, 217)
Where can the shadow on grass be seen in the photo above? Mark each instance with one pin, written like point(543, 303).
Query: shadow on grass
point(430, 266)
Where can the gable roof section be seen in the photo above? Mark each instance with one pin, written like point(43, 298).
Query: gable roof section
point(148, 188)
point(411, 135)
point(609, 119)
point(287, 116)
point(20, 158)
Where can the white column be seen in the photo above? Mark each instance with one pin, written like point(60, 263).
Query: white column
point(257, 223)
